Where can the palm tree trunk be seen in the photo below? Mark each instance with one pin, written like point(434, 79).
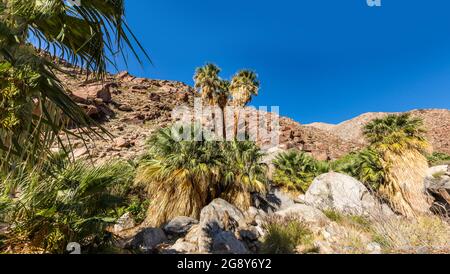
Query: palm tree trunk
point(224, 125)
point(405, 186)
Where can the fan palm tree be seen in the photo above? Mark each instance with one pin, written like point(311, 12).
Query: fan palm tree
point(295, 171)
point(400, 141)
point(208, 82)
point(35, 106)
point(180, 177)
point(244, 173)
point(212, 88)
point(244, 85)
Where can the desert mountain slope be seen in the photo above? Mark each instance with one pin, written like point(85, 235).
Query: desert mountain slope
point(436, 121)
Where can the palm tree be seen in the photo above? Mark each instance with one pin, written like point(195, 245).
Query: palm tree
point(400, 141)
point(35, 105)
point(243, 86)
point(180, 177)
point(213, 89)
point(207, 81)
point(244, 173)
point(295, 171)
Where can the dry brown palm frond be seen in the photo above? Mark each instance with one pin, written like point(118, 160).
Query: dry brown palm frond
point(405, 189)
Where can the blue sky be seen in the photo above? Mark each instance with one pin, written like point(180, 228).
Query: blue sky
point(319, 60)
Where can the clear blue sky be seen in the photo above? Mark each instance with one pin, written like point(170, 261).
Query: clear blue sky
point(319, 60)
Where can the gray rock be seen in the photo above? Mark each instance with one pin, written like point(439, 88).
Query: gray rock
point(374, 248)
point(180, 225)
point(249, 234)
point(335, 191)
point(221, 215)
point(279, 200)
point(147, 239)
point(125, 222)
point(183, 247)
point(226, 243)
point(306, 213)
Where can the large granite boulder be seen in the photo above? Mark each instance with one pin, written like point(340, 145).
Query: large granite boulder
point(335, 191)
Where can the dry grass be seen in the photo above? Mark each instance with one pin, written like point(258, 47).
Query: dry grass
point(403, 235)
point(286, 236)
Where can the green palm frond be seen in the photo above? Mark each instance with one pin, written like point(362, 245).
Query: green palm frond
point(35, 107)
point(396, 133)
point(295, 171)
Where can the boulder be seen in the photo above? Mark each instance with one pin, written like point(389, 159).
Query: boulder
point(125, 222)
point(180, 225)
point(335, 191)
point(279, 200)
point(183, 247)
point(225, 242)
point(146, 239)
point(221, 215)
point(306, 213)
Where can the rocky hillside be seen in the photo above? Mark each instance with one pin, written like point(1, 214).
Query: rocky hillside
point(437, 123)
point(131, 109)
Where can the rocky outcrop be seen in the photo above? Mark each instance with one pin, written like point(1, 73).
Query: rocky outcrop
point(437, 183)
point(222, 229)
point(335, 191)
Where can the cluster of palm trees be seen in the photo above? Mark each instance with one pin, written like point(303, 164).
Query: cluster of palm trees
point(216, 91)
point(394, 164)
point(183, 177)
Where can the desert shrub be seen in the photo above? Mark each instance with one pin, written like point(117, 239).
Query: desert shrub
point(409, 235)
point(295, 171)
point(437, 159)
point(70, 204)
point(284, 236)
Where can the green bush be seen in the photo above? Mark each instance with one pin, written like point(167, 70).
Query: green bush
point(437, 159)
point(365, 165)
point(295, 170)
point(284, 236)
point(73, 203)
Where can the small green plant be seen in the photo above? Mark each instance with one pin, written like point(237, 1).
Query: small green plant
point(285, 236)
point(438, 159)
point(333, 215)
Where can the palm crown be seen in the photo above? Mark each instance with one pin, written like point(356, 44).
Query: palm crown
point(396, 132)
point(207, 80)
point(243, 86)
